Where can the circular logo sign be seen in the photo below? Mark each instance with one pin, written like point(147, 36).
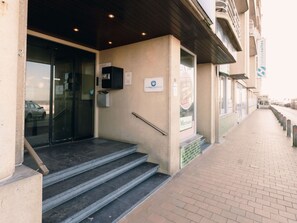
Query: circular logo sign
point(153, 83)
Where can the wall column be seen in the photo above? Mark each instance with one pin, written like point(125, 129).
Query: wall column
point(20, 187)
point(9, 29)
point(206, 101)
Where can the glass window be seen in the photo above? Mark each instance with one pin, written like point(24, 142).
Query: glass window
point(223, 94)
point(226, 98)
point(187, 95)
point(229, 95)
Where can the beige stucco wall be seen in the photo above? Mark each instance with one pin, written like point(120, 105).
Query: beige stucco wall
point(206, 101)
point(242, 62)
point(20, 187)
point(174, 105)
point(227, 122)
point(22, 36)
point(21, 197)
point(252, 81)
point(152, 58)
point(9, 29)
point(252, 102)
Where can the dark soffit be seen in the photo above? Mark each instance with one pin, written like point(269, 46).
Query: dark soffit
point(132, 17)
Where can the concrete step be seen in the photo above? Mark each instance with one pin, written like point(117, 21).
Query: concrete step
point(79, 168)
point(88, 203)
point(65, 190)
point(117, 209)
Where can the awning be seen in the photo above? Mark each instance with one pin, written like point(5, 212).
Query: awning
point(133, 21)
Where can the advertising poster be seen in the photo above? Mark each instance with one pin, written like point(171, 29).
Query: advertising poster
point(186, 97)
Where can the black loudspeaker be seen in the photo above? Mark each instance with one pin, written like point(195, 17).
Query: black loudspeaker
point(112, 77)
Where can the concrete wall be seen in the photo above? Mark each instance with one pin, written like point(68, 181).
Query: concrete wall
point(227, 122)
point(242, 63)
point(20, 187)
point(21, 197)
point(252, 81)
point(252, 102)
point(9, 29)
point(206, 101)
point(158, 57)
point(22, 45)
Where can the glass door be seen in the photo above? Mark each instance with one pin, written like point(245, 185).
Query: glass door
point(59, 93)
point(63, 92)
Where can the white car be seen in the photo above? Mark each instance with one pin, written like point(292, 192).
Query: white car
point(33, 111)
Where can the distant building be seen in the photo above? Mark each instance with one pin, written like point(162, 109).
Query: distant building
point(294, 103)
point(263, 101)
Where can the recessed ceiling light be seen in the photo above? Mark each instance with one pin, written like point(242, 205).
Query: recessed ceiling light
point(143, 34)
point(111, 16)
point(75, 29)
point(109, 42)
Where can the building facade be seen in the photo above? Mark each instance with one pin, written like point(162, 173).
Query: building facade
point(189, 67)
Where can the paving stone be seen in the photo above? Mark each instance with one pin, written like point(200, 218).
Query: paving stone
point(251, 176)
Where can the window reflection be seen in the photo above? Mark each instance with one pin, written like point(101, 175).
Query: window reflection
point(37, 99)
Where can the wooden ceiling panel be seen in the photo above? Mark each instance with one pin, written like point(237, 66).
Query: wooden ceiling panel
point(132, 17)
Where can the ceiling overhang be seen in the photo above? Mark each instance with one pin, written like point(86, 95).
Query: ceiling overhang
point(132, 19)
point(242, 76)
point(229, 29)
point(251, 87)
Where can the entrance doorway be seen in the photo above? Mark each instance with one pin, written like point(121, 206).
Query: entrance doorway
point(59, 103)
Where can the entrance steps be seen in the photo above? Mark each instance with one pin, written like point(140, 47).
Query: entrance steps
point(103, 184)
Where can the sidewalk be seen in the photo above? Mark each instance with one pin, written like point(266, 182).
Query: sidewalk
point(250, 177)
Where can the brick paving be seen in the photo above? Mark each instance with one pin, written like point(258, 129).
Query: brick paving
point(250, 177)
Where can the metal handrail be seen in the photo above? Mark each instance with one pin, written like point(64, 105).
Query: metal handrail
point(229, 7)
point(150, 124)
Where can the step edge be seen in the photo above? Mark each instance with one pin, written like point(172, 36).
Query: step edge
point(87, 211)
point(70, 172)
point(67, 195)
point(159, 187)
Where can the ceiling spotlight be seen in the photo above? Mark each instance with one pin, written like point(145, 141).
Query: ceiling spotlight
point(111, 16)
point(75, 29)
point(109, 42)
point(143, 34)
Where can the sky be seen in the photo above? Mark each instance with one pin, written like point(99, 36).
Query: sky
point(280, 30)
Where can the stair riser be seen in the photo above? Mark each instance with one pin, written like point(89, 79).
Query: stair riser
point(81, 215)
point(70, 172)
point(75, 191)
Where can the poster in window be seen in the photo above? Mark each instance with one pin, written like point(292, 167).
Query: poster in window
point(186, 97)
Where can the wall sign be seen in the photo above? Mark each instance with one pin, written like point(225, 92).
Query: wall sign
point(128, 78)
point(153, 84)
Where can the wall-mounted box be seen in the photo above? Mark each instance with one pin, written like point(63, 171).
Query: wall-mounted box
point(112, 77)
point(103, 99)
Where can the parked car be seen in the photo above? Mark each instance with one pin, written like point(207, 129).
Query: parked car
point(34, 111)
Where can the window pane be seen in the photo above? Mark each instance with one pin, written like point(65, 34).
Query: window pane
point(229, 96)
point(223, 95)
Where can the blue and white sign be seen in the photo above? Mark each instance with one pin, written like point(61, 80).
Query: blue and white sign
point(153, 84)
point(261, 70)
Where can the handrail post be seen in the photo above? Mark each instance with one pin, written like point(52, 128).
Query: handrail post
point(289, 128)
point(295, 136)
point(284, 123)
